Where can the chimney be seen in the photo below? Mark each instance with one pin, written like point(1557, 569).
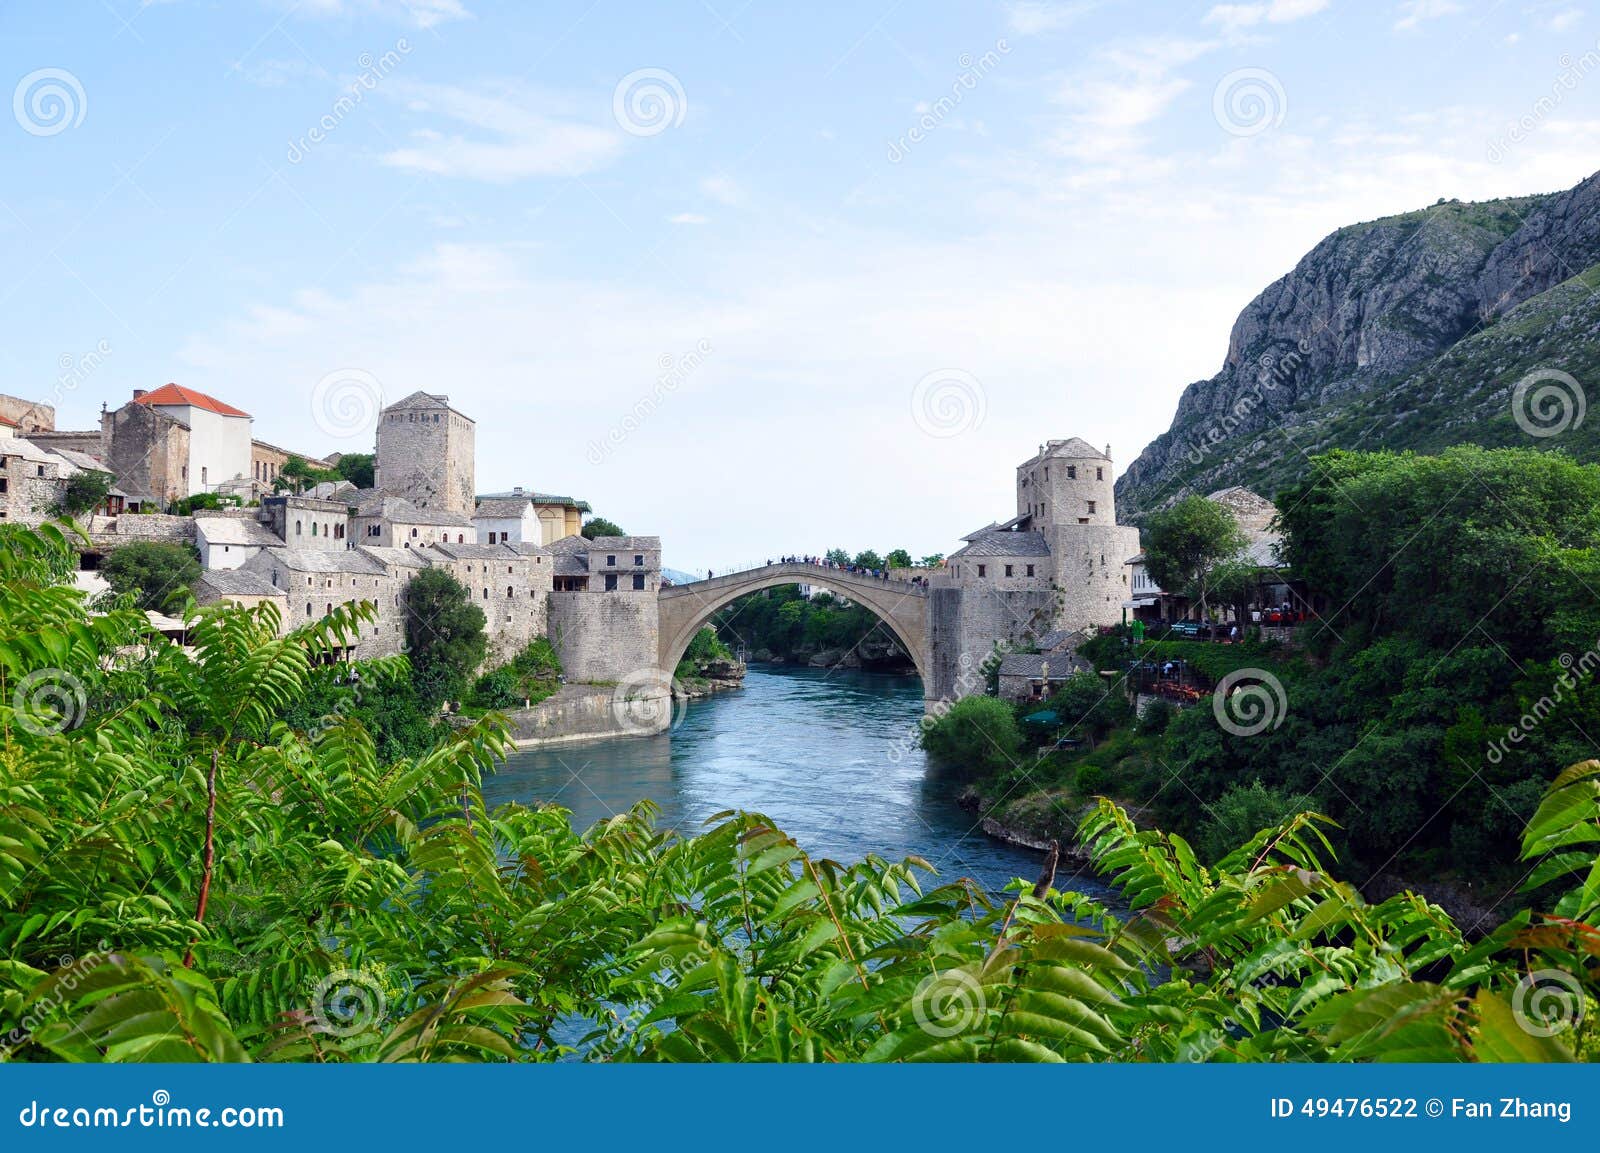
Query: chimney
point(138, 392)
point(1108, 452)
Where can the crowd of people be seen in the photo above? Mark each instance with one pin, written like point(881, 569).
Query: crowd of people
point(824, 562)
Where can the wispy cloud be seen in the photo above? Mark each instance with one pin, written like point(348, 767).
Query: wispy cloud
point(1033, 17)
point(1128, 87)
point(1237, 17)
point(421, 13)
point(517, 134)
point(686, 218)
point(1414, 13)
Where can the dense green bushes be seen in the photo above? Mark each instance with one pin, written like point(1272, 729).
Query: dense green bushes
point(531, 676)
point(976, 735)
point(186, 875)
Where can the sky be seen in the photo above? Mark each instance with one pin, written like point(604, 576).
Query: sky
point(757, 277)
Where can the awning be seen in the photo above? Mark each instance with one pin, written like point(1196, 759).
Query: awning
point(1042, 717)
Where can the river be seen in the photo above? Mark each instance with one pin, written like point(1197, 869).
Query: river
point(825, 754)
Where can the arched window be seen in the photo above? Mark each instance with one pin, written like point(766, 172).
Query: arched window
point(296, 528)
point(485, 594)
point(509, 593)
point(308, 608)
point(313, 528)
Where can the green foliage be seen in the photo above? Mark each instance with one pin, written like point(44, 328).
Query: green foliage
point(791, 627)
point(1193, 547)
point(1156, 717)
point(977, 734)
point(705, 648)
point(528, 678)
point(1240, 810)
point(156, 574)
point(203, 500)
point(600, 526)
point(297, 475)
point(868, 559)
point(84, 492)
point(357, 468)
point(897, 558)
point(1089, 778)
point(838, 556)
point(186, 875)
point(932, 560)
point(444, 636)
point(1090, 706)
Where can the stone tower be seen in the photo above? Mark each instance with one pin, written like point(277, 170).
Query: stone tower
point(425, 453)
point(1065, 492)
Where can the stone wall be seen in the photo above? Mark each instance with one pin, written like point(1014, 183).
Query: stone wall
point(87, 441)
point(428, 461)
point(575, 713)
point(29, 498)
point(147, 451)
point(30, 416)
point(1091, 572)
point(109, 532)
point(605, 636)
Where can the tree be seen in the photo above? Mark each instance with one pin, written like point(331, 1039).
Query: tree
point(838, 556)
point(1089, 705)
point(1186, 547)
point(84, 492)
point(898, 558)
point(932, 560)
point(297, 475)
point(600, 526)
point(868, 559)
point(357, 468)
point(977, 734)
point(444, 634)
point(158, 574)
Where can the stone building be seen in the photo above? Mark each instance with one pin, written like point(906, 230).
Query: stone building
point(27, 416)
point(246, 589)
point(266, 463)
point(313, 581)
point(31, 480)
point(228, 538)
point(394, 522)
point(426, 452)
point(309, 521)
point(218, 440)
point(517, 516)
point(510, 584)
point(604, 614)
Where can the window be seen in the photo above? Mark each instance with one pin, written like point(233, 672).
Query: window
point(1099, 474)
point(296, 528)
point(638, 559)
point(461, 538)
point(983, 570)
point(1030, 570)
point(509, 592)
point(611, 582)
point(485, 594)
point(1072, 472)
point(413, 532)
point(313, 528)
point(308, 608)
point(2, 484)
point(638, 581)
point(1008, 570)
point(1047, 472)
point(1091, 508)
point(203, 471)
point(611, 562)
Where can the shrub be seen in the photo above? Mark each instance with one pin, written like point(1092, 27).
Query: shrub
point(1089, 778)
point(978, 734)
point(157, 574)
point(1155, 718)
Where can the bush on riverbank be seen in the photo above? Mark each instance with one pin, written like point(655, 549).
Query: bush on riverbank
point(533, 675)
point(976, 735)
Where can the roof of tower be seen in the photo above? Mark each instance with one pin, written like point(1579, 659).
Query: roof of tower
point(1073, 448)
point(1004, 544)
point(426, 400)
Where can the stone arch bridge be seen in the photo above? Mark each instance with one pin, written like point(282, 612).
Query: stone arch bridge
point(908, 609)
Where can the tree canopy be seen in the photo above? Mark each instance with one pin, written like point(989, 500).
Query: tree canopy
point(600, 526)
point(156, 573)
point(444, 635)
point(1189, 546)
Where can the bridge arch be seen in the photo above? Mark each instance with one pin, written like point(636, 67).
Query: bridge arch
point(900, 605)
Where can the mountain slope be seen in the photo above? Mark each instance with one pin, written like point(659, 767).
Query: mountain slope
point(1409, 331)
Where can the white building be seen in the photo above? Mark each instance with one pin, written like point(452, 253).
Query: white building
point(226, 542)
point(219, 437)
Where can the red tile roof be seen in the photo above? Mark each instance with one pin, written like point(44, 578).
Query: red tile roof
point(177, 394)
point(12, 423)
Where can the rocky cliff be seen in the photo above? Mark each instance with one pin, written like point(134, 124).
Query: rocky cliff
point(1406, 332)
